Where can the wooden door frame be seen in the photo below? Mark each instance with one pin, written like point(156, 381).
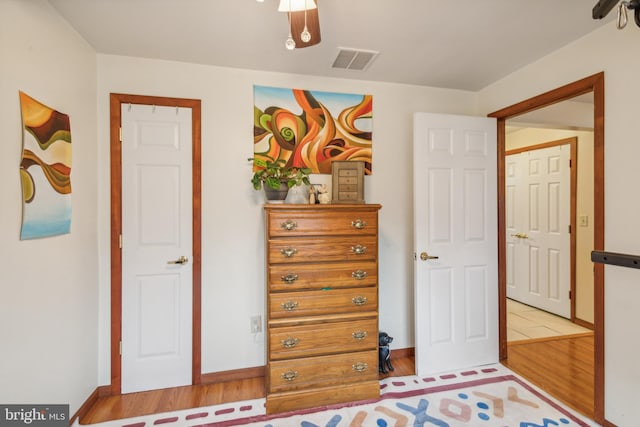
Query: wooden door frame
point(595, 84)
point(573, 200)
point(116, 101)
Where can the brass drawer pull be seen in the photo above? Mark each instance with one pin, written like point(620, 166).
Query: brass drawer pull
point(290, 342)
point(359, 249)
point(359, 335)
point(359, 224)
point(359, 300)
point(360, 367)
point(289, 375)
point(289, 278)
point(289, 225)
point(289, 305)
point(359, 274)
point(289, 252)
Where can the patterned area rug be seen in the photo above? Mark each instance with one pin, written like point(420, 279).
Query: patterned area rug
point(491, 396)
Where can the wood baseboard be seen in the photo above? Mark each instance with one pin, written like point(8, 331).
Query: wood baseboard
point(233, 375)
point(104, 391)
point(404, 352)
point(100, 391)
point(583, 323)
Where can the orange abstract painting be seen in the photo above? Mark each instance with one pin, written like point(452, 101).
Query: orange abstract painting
point(311, 129)
point(45, 170)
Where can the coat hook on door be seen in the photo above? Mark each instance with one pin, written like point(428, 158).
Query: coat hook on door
point(129, 108)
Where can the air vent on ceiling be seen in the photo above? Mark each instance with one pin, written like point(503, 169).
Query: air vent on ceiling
point(354, 59)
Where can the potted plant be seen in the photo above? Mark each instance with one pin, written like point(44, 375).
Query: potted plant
point(276, 178)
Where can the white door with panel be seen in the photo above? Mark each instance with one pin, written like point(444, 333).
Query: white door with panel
point(156, 247)
point(455, 225)
point(538, 192)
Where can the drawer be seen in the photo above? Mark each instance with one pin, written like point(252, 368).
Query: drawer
point(322, 223)
point(323, 396)
point(294, 250)
point(327, 338)
point(323, 302)
point(317, 276)
point(299, 374)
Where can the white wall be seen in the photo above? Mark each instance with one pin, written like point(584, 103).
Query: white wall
point(584, 204)
point(613, 52)
point(49, 287)
point(232, 215)
point(48, 312)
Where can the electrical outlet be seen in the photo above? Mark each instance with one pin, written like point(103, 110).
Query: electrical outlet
point(256, 324)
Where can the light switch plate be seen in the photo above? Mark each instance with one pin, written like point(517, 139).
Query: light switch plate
point(584, 220)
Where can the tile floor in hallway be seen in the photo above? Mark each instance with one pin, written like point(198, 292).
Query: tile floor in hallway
point(525, 322)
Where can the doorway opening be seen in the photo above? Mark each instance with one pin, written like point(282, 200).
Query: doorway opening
point(592, 84)
point(540, 202)
point(116, 103)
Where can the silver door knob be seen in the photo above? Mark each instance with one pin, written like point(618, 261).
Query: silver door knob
point(182, 260)
point(425, 256)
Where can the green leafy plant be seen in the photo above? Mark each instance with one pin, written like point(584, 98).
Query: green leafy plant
point(272, 174)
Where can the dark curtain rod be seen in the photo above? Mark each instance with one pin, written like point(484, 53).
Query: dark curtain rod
point(612, 258)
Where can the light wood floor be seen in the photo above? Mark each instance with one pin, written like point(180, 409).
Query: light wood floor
point(561, 366)
point(172, 399)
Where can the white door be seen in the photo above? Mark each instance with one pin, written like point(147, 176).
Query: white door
point(538, 238)
point(515, 201)
point(156, 247)
point(455, 220)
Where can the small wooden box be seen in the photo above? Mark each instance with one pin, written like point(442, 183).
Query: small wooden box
point(347, 182)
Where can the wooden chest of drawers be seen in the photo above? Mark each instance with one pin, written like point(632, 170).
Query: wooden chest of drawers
point(322, 305)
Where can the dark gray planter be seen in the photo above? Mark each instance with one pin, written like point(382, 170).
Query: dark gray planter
point(276, 195)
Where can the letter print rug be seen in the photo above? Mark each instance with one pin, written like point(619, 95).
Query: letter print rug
point(491, 396)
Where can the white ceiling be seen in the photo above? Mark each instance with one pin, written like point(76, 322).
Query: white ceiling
point(461, 44)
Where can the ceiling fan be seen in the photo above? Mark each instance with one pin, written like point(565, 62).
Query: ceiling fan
point(304, 24)
point(603, 7)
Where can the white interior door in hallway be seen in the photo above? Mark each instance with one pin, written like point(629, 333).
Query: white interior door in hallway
point(538, 191)
point(455, 226)
point(156, 247)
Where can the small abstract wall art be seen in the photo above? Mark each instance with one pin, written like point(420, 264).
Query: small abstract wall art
point(45, 170)
point(311, 129)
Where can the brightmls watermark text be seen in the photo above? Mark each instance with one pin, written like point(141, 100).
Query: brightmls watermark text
point(34, 415)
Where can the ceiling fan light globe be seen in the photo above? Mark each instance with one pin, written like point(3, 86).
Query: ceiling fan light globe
point(290, 44)
point(305, 36)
